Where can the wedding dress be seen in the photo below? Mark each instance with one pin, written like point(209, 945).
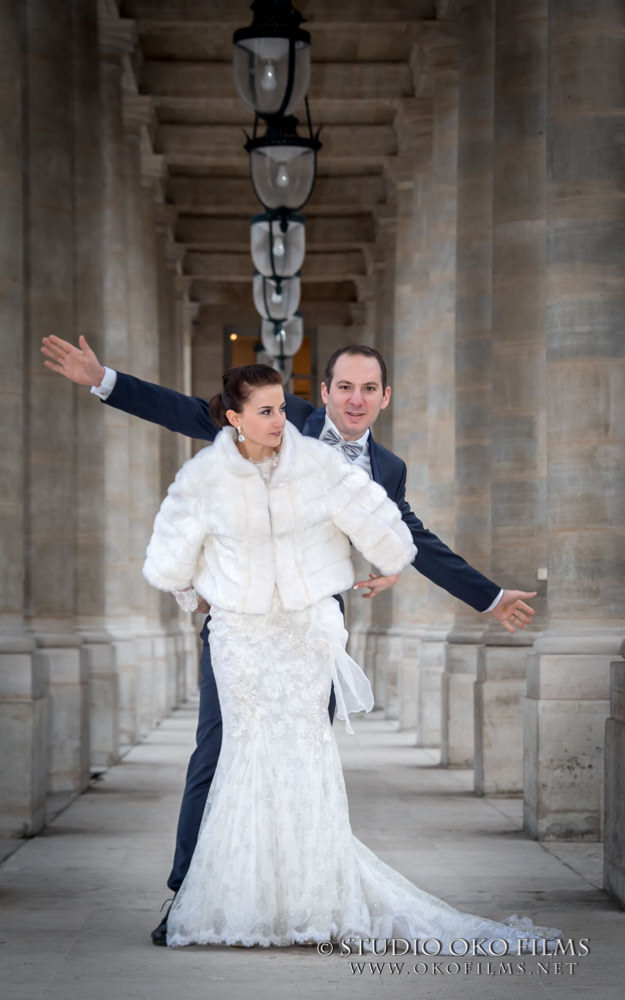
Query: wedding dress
point(276, 862)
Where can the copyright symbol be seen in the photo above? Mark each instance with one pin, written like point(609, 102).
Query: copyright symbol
point(325, 947)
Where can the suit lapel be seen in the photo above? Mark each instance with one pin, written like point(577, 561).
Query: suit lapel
point(313, 424)
point(374, 458)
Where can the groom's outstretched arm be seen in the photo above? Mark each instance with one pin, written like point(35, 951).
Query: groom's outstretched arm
point(187, 415)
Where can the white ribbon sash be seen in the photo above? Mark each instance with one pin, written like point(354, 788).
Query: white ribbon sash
point(351, 686)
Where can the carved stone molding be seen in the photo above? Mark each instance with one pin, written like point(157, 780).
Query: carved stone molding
point(117, 36)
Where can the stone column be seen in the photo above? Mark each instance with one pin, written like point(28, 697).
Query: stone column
point(176, 315)
point(184, 640)
point(50, 585)
point(439, 336)
point(116, 39)
point(22, 681)
point(568, 682)
point(518, 498)
point(473, 367)
point(97, 651)
point(396, 614)
point(614, 853)
point(370, 621)
point(176, 332)
point(153, 698)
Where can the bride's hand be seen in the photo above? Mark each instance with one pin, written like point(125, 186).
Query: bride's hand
point(376, 584)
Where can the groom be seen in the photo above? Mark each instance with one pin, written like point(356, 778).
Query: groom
point(354, 392)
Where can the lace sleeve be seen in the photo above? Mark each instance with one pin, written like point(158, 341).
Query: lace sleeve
point(187, 599)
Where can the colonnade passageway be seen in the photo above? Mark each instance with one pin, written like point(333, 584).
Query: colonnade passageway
point(467, 223)
point(78, 902)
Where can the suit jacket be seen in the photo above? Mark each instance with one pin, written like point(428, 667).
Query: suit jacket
point(189, 415)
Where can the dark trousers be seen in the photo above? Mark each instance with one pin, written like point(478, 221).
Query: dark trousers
point(202, 765)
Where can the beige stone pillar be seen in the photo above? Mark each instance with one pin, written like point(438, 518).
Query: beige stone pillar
point(176, 318)
point(369, 621)
point(518, 498)
point(568, 681)
point(142, 289)
point(116, 39)
point(22, 682)
point(395, 615)
point(614, 834)
point(439, 334)
point(183, 638)
point(176, 315)
point(97, 651)
point(50, 585)
point(472, 368)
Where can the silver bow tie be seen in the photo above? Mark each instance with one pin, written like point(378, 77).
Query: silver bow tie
point(350, 449)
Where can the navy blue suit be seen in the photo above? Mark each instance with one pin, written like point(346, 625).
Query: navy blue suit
point(189, 415)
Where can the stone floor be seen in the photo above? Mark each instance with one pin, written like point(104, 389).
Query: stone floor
point(78, 902)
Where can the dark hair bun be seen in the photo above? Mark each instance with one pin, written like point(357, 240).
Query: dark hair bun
point(237, 385)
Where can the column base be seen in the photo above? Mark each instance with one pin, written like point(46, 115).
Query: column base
point(457, 693)
point(357, 646)
point(498, 714)
point(614, 853)
point(23, 721)
point(409, 640)
point(59, 657)
point(565, 714)
point(391, 656)
point(431, 664)
point(182, 656)
point(100, 663)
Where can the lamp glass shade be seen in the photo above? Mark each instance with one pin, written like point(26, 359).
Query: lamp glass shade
point(282, 338)
point(276, 299)
point(261, 72)
point(277, 251)
point(283, 174)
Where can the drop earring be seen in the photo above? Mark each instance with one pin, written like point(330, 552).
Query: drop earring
point(240, 434)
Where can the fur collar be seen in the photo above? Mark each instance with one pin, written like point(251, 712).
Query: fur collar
point(225, 449)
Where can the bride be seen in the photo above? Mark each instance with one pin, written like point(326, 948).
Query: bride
point(259, 525)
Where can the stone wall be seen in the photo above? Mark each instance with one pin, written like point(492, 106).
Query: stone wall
point(89, 658)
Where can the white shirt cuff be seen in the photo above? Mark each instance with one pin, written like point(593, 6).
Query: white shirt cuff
point(106, 386)
point(493, 605)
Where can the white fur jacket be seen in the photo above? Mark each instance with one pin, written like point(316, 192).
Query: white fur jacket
point(222, 530)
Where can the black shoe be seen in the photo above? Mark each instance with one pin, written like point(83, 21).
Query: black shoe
point(159, 934)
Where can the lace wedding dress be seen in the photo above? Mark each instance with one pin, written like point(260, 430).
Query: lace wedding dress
point(276, 862)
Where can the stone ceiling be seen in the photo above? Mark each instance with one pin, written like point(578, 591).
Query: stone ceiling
point(364, 93)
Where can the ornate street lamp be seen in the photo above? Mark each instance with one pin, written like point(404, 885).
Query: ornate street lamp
point(278, 243)
point(272, 72)
point(276, 299)
point(272, 59)
point(283, 165)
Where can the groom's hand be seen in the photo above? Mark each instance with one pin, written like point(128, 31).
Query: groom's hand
point(78, 364)
point(376, 584)
point(512, 612)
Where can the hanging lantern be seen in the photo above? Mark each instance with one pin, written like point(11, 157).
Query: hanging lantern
point(278, 243)
point(283, 165)
point(276, 298)
point(282, 339)
point(272, 59)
